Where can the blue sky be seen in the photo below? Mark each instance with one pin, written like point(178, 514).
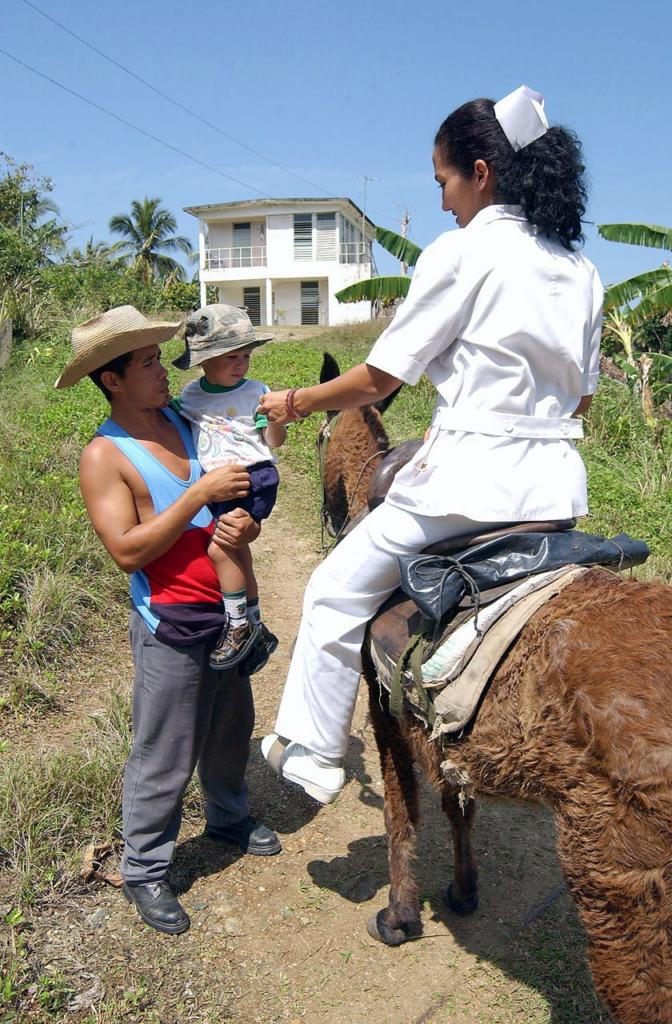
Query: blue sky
point(332, 91)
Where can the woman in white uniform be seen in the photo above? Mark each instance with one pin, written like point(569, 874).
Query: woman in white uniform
point(504, 317)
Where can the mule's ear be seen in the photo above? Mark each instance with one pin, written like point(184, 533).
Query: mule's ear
point(329, 368)
point(385, 403)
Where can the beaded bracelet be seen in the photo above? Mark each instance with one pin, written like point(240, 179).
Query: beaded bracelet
point(292, 412)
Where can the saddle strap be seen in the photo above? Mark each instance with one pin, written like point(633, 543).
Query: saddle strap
point(412, 657)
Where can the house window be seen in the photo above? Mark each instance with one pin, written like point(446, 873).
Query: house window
point(349, 238)
point(325, 236)
point(252, 302)
point(310, 302)
point(303, 236)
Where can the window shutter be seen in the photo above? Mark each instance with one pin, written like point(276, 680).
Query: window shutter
point(252, 302)
point(326, 236)
point(303, 236)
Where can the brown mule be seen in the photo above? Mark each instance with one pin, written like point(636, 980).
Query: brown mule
point(578, 717)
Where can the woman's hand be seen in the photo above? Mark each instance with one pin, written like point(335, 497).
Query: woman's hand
point(354, 388)
point(273, 405)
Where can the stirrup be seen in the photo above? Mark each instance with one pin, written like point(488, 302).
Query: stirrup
point(276, 752)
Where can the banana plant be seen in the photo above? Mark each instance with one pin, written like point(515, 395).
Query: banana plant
point(385, 289)
point(648, 373)
point(653, 288)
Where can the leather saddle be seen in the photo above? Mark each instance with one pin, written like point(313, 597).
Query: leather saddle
point(399, 617)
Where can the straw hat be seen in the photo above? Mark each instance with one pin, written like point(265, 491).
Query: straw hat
point(109, 335)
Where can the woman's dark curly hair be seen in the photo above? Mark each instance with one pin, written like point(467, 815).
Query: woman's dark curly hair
point(545, 178)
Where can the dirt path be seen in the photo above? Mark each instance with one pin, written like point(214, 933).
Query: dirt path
point(283, 938)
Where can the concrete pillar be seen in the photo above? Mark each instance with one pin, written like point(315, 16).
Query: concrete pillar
point(201, 245)
point(269, 302)
point(201, 261)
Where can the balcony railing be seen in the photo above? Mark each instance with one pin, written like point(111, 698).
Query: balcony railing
point(238, 256)
point(354, 252)
point(233, 258)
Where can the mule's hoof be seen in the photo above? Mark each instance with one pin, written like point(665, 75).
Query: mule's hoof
point(378, 930)
point(461, 907)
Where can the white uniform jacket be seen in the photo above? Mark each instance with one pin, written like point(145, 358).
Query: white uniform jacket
point(506, 324)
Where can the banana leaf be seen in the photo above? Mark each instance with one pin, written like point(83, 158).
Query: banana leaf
point(640, 286)
point(655, 302)
point(661, 361)
point(651, 235)
point(398, 246)
point(384, 289)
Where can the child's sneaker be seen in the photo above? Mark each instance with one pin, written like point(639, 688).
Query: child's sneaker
point(261, 652)
point(233, 645)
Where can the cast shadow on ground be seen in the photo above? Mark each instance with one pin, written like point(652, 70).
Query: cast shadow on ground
point(281, 806)
point(526, 925)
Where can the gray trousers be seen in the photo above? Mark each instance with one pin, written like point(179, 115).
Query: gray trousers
point(184, 714)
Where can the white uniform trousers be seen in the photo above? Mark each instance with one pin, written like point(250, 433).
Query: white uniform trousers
point(342, 595)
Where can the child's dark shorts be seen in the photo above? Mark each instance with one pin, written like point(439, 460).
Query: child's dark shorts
point(259, 502)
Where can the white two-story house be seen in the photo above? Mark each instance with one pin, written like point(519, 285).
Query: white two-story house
point(284, 259)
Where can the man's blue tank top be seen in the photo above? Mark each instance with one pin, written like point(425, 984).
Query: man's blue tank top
point(178, 594)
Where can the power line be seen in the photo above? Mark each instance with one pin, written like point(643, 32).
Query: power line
point(135, 127)
point(171, 99)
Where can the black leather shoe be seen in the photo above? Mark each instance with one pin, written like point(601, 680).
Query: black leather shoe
point(248, 835)
point(157, 907)
point(265, 643)
point(233, 645)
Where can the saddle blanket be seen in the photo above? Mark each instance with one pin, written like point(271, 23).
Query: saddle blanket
point(443, 683)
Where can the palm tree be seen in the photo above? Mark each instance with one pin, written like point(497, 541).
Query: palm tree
point(653, 288)
point(385, 289)
point(147, 230)
point(93, 253)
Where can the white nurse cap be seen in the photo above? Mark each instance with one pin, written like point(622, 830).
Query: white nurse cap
point(521, 115)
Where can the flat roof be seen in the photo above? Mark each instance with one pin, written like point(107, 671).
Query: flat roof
point(241, 204)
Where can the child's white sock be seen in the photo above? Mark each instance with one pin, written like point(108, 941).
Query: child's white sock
point(253, 611)
point(235, 606)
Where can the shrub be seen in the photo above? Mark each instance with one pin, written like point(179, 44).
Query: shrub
point(185, 296)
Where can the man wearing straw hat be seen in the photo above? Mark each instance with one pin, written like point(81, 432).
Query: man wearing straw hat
point(148, 502)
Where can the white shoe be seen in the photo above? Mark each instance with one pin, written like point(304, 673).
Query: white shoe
point(322, 778)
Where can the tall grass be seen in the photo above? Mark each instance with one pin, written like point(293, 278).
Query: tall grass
point(53, 805)
point(54, 574)
point(629, 465)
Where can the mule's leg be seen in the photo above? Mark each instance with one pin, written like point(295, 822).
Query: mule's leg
point(400, 920)
point(462, 893)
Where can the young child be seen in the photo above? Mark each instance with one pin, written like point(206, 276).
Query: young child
point(222, 409)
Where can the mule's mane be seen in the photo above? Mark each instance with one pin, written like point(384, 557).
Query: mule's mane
point(356, 442)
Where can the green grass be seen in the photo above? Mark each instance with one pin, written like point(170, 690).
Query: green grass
point(629, 465)
point(54, 804)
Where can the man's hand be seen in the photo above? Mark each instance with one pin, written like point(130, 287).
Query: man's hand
point(226, 483)
point(234, 529)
